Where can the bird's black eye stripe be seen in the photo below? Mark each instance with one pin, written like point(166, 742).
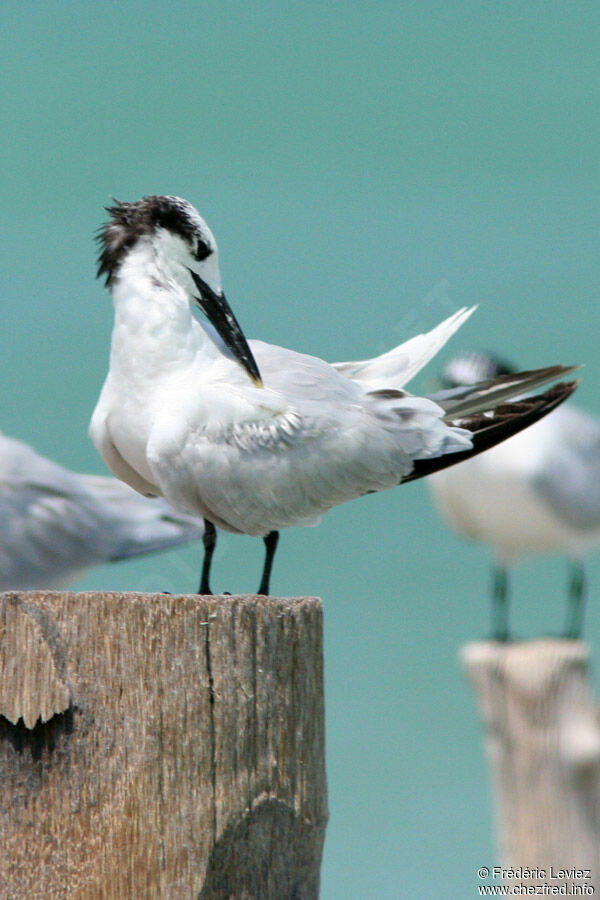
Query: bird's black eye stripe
point(202, 251)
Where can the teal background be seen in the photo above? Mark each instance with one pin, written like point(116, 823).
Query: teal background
point(367, 169)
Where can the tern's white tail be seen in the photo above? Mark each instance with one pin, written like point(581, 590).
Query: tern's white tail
point(398, 366)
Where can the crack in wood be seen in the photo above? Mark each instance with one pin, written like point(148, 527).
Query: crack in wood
point(191, 761)
point(212, 728)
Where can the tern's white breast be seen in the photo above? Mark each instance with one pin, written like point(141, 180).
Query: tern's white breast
point(493, 498)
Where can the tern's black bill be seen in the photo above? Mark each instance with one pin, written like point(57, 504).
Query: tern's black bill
point(219, 313)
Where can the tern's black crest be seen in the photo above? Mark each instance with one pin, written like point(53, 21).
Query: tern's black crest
point(474, 366)
point(131, 221)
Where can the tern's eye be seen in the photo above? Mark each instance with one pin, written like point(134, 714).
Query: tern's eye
point(202, 250)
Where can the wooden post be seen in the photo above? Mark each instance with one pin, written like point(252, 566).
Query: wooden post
point(543, 741)
point(157, 746)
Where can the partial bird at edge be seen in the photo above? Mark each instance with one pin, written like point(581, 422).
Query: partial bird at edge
point(56, 524)
point(536, 494)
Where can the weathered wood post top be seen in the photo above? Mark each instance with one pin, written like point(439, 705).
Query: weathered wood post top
point(542, 735)
point(161, 746)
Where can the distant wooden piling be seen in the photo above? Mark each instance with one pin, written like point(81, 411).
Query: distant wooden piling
point(542, 730)
point(156, 746)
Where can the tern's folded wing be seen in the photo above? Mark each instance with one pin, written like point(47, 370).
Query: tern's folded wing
point(568, 479)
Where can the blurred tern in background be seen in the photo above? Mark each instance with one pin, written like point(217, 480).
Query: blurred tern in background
point(255, 437)
point(537, 493)
point(55, 524)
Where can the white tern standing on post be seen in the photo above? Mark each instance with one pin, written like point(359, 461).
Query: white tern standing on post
point(251, 436)
point(537, 493)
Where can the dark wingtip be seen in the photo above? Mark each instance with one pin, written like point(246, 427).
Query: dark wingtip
point(508, 420)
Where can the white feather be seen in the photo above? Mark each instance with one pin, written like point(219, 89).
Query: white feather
point(398, 366)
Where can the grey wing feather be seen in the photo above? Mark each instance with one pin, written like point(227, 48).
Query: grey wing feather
point(141, 524)
point(568, 479)
point(54, 524)
point(472, 399)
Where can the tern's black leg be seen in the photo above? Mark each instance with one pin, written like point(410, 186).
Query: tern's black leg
point(576, 601)
point(271, 544)
point(499, 604)
point(209, 539)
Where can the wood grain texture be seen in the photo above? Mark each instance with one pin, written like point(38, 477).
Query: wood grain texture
point(542, 729)
point(188, 760)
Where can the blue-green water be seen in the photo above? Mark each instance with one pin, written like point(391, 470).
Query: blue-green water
point(367, 169)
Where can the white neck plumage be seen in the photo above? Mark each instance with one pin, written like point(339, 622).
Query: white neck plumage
point(154, 330)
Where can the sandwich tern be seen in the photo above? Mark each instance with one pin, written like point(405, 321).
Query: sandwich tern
point(250, 436)
point(55, 524)
point(536, 493)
